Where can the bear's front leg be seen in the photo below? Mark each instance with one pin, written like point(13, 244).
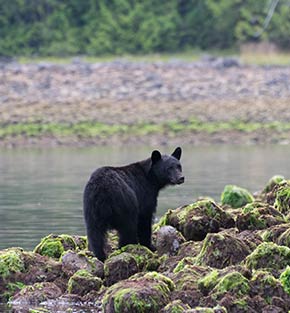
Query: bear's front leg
point(145, 232)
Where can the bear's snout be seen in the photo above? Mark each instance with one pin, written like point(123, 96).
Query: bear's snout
point(180, 180)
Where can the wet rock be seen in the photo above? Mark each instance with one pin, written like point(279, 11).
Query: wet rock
point(194, 221)
point(19, 267)
point(244, 304)
point(185, 278)
point(274, 232)
point(119, 267)
point(282, 200)
point(267, 286)
point(222, 250)
point(36, 293)
point(273, 181)
point(147, 293)
point(168, 240)
point(258, 215)
point(54, 245)
point(145, 258)
point(235, 196)
point(234, 283)
point(190, 249)
point(73, 261)
point(269, 256)
point(82, 282)
point(284, 238)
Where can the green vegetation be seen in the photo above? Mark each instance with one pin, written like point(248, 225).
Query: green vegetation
point(54, 246)
point(285, 279)
point(10, 262)
point(102, 130)
point(100, 27)
point(235, 196)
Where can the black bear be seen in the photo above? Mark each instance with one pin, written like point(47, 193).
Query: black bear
point(125, 198)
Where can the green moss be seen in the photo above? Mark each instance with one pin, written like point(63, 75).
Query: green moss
point(209, 281)
point(82, 282)
point(147, 293)
point(270, 256)
point(11, 262)
point(282, 201)
point(142, 255)
point(53, 246)
point(235, 196)
point(233, 282)
point(181, 264)
point(11, 289)
point(285, 279)
point(273, 181)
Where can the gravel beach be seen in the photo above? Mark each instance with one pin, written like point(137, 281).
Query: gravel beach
point(124, 92)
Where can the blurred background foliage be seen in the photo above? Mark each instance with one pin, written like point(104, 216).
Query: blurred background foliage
point(100, 27)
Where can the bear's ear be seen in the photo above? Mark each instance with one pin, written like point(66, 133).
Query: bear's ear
point(177, 153)
point(155, 156)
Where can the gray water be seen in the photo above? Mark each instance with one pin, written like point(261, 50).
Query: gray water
point(41, 189)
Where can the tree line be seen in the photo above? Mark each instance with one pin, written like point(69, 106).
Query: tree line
point(98, 27)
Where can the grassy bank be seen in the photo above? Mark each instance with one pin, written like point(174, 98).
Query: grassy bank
point(247, 57)
point(96, 129)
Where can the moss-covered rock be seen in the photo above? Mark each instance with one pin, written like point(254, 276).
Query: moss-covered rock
point(119, 267)
point(185, 278)
point(284, 238)
point(234, 283)
point(196, 220)
point(73, 261)
point(54, 245)
point(273, 181)
point(258, 215)
point(83, 282)
point(11, 261)
point(267, 286)
point(236, 197)
point(222, 250)
point(282, 199)
point(19, 267)
point(269, 256)
point(145, 258)
point(274, 232)
point(176, 306)
point(147, 293)
point(36, 293)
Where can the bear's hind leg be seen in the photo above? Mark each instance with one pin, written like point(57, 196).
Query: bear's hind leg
point(96, 238)
point(127, 234)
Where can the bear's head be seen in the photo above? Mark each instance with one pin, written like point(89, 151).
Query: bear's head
point(167, 169)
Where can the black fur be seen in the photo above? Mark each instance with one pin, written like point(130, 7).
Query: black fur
point(125, 199)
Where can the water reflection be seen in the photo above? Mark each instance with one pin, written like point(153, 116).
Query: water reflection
point(41, 190)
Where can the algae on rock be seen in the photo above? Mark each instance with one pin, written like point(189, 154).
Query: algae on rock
point(147, 293)
point(54, 245)
point(269, 256)
point(198, 219)
point(83, 282)
point(236, 197)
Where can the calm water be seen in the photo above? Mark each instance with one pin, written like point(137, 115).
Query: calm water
point(41, 190)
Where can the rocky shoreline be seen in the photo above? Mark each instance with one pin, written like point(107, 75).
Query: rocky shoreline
point(128, 93)
point(232, 256)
